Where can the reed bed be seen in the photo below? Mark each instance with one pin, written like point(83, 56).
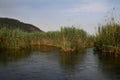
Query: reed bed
point(12, 39)
point(108, 38)
point(67, 39)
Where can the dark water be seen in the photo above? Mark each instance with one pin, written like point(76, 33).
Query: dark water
point(53, 65)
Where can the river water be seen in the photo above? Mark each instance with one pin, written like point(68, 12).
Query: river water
point(53, 65)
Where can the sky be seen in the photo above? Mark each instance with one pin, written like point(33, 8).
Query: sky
point(51, 15)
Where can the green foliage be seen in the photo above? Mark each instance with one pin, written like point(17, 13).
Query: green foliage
point(73, 38)
point(12, 39)
point(108, 35)
point(68, 39)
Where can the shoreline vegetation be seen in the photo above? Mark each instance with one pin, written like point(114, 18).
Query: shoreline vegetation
point(69, 39)
point(107, 40)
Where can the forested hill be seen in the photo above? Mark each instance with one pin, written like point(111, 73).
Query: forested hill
point(13, 24)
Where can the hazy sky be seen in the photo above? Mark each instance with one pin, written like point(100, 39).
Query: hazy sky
point(52, 14)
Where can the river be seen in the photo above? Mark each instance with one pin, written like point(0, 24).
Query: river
point(53, 65)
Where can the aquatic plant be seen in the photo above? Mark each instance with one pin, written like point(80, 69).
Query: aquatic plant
point(108, 38)
point(12, 39)
point(68, 39)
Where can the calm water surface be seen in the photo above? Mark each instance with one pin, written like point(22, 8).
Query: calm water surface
point(53, 65)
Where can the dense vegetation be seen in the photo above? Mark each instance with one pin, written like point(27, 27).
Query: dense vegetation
point(68, 39)
point(12, 39)
point(108, 38)
point(15, 24)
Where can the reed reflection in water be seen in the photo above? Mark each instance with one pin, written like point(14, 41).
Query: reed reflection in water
point(52, 65)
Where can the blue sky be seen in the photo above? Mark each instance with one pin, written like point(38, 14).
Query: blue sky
point(50, 15)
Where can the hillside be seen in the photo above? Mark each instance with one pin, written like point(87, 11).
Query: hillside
point(13, 24)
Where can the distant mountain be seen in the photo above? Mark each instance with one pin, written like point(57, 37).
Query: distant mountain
point(13, 24)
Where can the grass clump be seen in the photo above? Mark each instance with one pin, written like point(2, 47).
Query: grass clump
point(68, 39)
point(108, 38)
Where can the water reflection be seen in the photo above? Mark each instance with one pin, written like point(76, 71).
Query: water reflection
point(71, 59)
point(12, 56)
point(43, 48)
point(69, 62)
point(50, 64)
point(110, 66)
